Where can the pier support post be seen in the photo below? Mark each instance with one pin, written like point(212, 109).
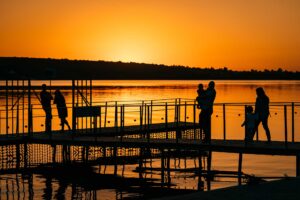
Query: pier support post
point(162, 167)
point(141, 163)
point(116, 162)
point(200, 182)
point(298, 165)
point(168, 169)
point(209, 170)
point(240, 168)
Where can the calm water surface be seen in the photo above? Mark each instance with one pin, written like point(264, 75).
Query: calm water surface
point(227, 92)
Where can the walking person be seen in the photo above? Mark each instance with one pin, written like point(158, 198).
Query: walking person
point(62, 110)
point(262, 110)
point(46, 104)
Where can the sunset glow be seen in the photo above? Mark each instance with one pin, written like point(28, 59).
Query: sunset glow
point(198, 33)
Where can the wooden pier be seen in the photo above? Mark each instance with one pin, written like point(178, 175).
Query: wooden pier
point(152, 127)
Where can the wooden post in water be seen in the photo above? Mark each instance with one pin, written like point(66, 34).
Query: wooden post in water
point(224, 122)
point(298, 165)
point(209, 158)
point(285, 126)
point(168, 169)
point(141, 163)
point(200, 182)
point(240, 168)
point(116, 162)
point(162, 167)
point(293, 122)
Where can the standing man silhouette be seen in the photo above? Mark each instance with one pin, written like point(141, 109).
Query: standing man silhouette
point(46, 104)
point(262, 110)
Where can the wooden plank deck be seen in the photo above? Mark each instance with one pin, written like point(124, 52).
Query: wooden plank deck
point(229, 146)
point(111, 137)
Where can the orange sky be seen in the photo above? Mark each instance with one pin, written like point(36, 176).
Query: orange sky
point(239, 34)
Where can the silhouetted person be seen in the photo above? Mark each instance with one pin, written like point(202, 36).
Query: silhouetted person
point(62, 110)
point(46, 104)
point(210, 95)
point(262, 110)
point(200, 105)
point(250, 123)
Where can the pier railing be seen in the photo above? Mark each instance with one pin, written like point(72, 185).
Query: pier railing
point(24, 119)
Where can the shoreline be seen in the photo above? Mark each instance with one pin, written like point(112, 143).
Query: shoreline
point(287, 189)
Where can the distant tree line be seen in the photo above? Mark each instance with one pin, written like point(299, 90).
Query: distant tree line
point(60, 69)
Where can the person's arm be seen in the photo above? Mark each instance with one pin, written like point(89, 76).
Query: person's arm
point(256, 106)
point(243, 124)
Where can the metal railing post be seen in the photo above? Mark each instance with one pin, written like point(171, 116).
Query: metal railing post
point(285, 125)
point(293, 122)
point(224, 122)
point(105, 114)
point(29, 109)
point(185, 115)
point(73, 109)
point(166, 120)
point(116, 116)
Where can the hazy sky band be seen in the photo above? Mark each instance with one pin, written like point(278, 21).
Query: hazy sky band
point(239, 34)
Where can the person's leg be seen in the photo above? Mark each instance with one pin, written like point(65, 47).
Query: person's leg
point(67, 123)
point(206, 126)
point(201, 123)
point(256, 128)
point(48, 124)
point(209, 126)
point(62, 123)
point(48, 120)
point(266, 127)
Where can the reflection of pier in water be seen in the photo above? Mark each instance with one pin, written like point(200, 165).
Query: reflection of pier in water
point(122, 133)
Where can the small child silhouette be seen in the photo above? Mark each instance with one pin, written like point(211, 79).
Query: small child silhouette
point(250, 123)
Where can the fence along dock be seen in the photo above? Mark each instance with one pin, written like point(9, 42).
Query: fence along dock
point(163, 124)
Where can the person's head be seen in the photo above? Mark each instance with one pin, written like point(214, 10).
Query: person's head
point(211, 85)
point(200, 87)
point(260, 92)
point(57, 92)
point(44, 87)
point(249, 109)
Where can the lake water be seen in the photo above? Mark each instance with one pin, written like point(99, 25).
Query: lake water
point(128, 91)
